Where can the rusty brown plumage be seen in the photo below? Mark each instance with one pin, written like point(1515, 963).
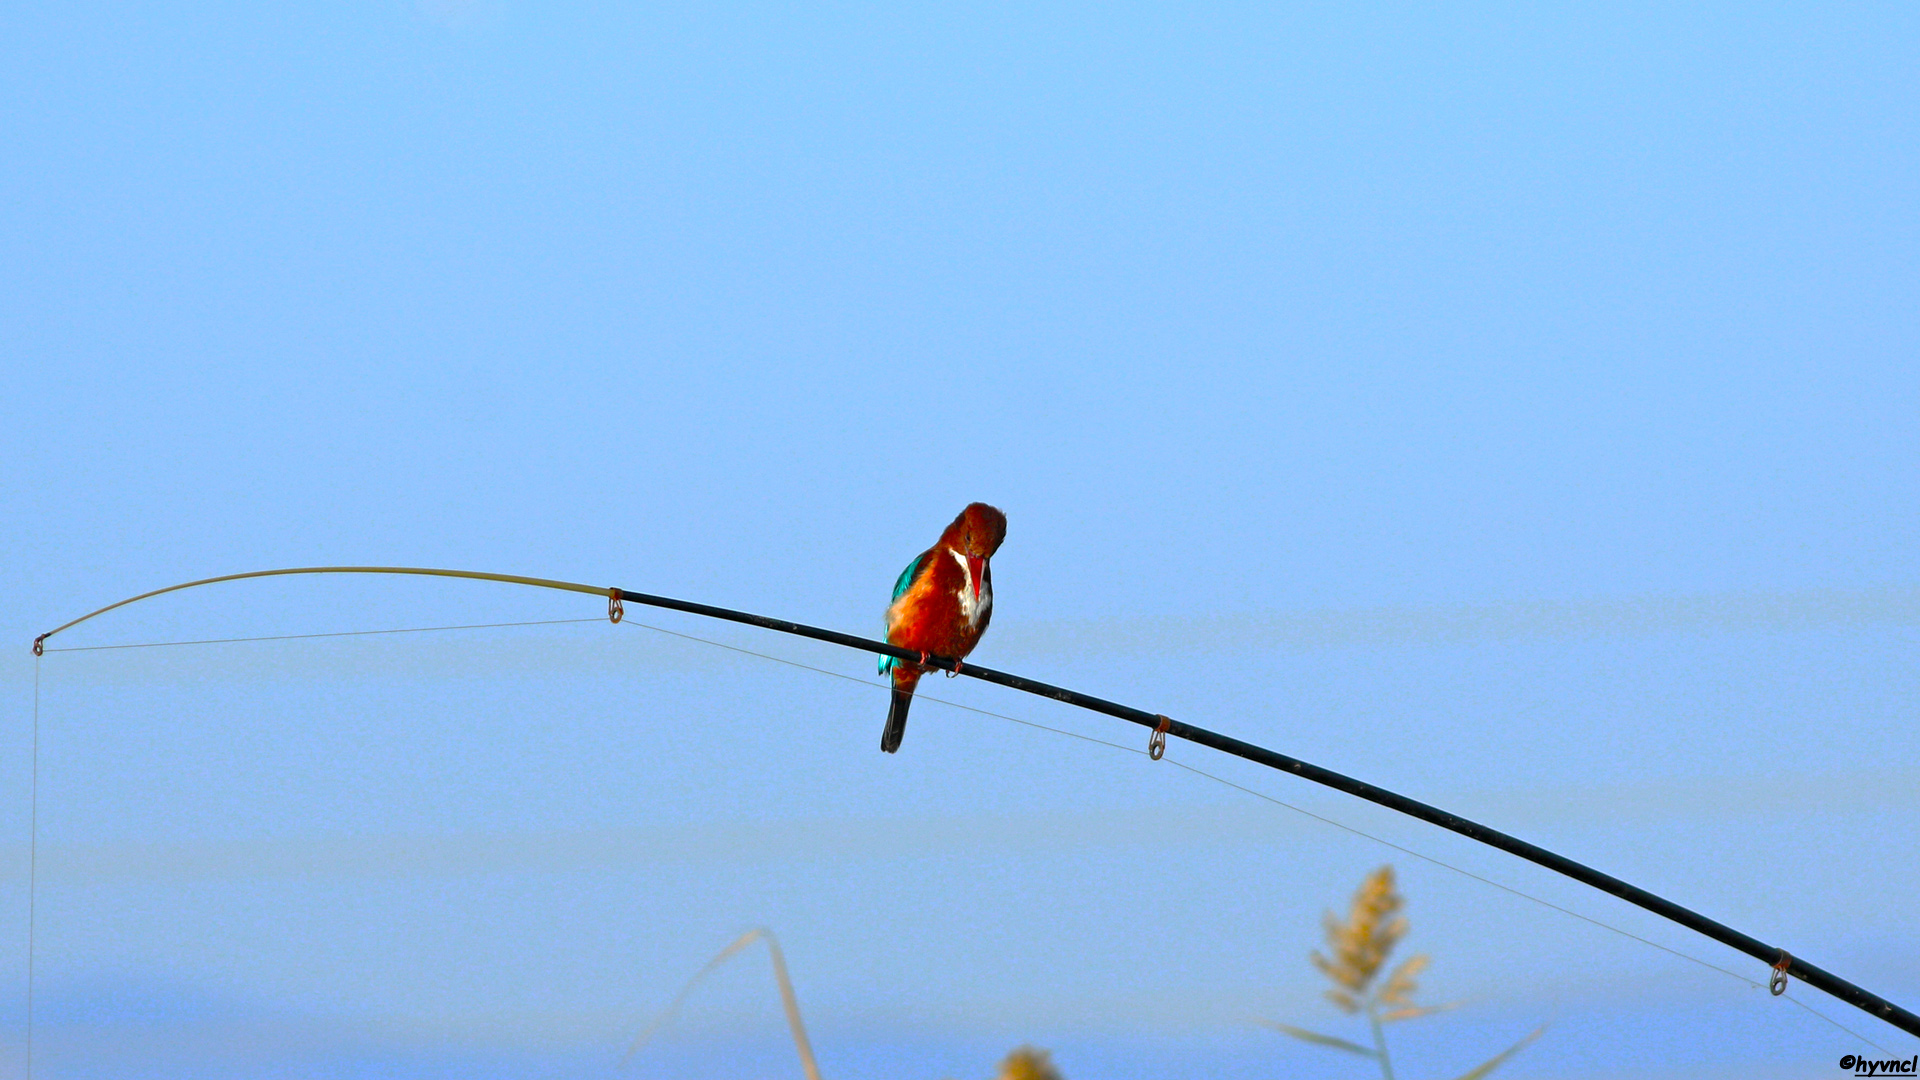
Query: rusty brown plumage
point(941, 605)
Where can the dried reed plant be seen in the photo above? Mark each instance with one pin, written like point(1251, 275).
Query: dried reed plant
point(1025, 1063)
point(790, 1004)
point(1360, 946)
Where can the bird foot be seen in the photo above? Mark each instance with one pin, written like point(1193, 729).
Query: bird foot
point(956, 669)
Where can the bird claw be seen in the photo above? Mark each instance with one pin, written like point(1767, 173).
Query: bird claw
point(955, 671)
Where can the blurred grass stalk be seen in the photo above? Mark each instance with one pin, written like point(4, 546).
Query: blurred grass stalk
point(1025, 1063)
point(791, 1004)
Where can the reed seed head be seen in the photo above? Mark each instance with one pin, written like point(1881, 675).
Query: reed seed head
point(1361, 943)
point(1029, 1063)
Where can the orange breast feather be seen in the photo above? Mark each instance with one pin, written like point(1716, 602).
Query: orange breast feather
point(928, 617)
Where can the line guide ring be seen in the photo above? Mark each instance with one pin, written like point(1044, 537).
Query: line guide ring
point(1777, 982)
point(40, 645)
point(616, 608)
point(1157, 742)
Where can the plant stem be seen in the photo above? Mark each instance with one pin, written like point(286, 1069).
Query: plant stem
point(1379, 1041)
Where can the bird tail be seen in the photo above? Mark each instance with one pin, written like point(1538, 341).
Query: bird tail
point(904, 681)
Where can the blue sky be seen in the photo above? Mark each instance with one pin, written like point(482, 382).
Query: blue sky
point(1512, 407)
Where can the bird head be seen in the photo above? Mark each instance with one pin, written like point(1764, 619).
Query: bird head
point(978, 531)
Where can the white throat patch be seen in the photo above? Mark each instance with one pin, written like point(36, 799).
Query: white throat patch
point(973, 609)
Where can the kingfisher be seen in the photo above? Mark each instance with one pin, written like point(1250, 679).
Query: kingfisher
point(941, 606)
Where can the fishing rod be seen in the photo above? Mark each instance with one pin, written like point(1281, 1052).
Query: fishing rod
point(1783, 965)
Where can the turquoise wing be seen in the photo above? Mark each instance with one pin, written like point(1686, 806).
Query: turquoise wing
point(899, 589)
point(906, 576)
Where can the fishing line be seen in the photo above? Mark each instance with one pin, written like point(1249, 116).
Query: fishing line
point(1516, 892)
point(1836, 1023)
point(884, 686)
point(335, 634)
point(1224, 783)
point(33, 858)
point(1466, 873)
point(33, 827)
point(1736, 976)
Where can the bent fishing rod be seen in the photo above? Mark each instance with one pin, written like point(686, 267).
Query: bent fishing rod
point(1783, 965)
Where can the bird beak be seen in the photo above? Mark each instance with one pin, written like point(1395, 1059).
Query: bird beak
point(978, 568)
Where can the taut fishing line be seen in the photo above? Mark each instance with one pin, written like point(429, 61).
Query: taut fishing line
point(1548, 904)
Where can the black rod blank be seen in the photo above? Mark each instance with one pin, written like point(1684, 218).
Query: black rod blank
point(1816, 977)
